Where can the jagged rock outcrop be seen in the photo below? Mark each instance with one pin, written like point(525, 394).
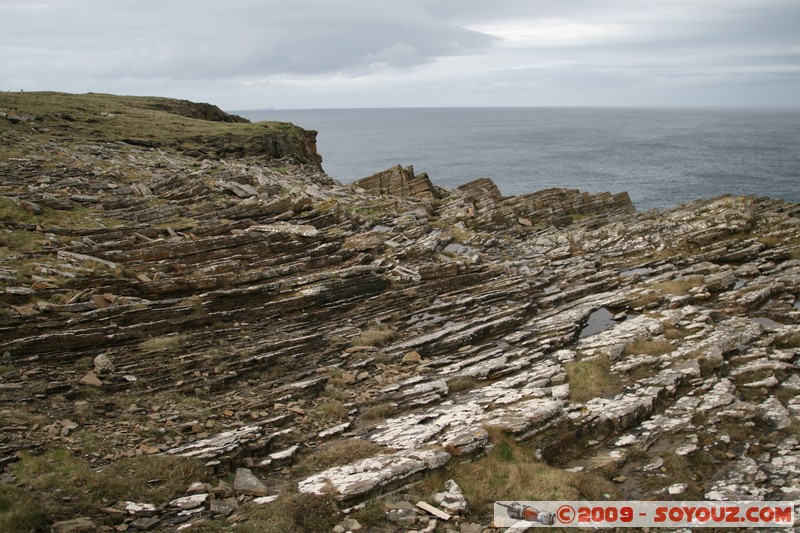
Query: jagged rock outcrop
point(196, 110)
point(400, 182)
point(250, 315)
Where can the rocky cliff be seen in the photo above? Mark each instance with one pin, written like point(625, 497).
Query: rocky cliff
point(192, 305)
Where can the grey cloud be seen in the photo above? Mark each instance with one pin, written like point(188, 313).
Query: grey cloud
point(200, 40)
point(415, 52)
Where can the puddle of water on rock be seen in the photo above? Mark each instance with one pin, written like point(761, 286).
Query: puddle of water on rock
point(598, 321)
point(767, 322)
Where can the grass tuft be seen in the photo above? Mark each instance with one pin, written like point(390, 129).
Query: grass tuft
point(379, 411)
point(372, 515)
point(161, 344)
point(592, 378)
point(511, 471)
point(67, 487)
point(330, 409)
point(19, 511)
point(379, 335)
point(337, 453)
point(672, 333)
point(461, 383)
point(790, 340)
point(643, 346)
point(296, 512)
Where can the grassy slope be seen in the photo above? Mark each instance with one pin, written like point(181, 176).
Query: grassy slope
point(154, 121)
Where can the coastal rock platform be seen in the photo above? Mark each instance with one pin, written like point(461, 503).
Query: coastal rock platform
point(189, 294)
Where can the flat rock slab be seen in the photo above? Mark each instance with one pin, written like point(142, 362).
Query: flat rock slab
point(363, 476)
point(303, 230)
point(219, 445)
point(74, 526)
point(247, 483)
point(189, 502)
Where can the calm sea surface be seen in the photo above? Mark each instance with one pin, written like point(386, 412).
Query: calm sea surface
point(662, 157)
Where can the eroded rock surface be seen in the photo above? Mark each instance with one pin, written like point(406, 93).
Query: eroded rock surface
point(241, 308)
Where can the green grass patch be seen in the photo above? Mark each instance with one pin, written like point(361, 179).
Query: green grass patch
point(160, 344)
point(771, 241)
point(676, 287)
point(788, 340)
point(672, 333)
point(9, 210)
point(371, 515)
point(296, 512)
point(144, 121)
point(22, 241)
point(78, 218)
point(379, 411)
point(592, 378)
point(334, 392)
point(336, 453)
point(642, 346)
point(510, 471)
point(680, 286)
point(646, 299)
point(379, 335)
point(19, 511)
point(329, 409)
point(66, 487)
point(461, 383)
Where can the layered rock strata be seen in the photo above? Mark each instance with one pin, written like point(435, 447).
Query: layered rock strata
point(242, 308)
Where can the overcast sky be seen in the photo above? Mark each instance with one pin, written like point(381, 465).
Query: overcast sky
point(250, 54)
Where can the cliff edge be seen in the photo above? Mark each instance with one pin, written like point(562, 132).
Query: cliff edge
point(201, 329)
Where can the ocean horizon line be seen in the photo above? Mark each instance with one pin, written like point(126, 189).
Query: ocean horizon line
point(582, 107)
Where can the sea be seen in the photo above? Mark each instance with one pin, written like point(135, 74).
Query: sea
point(662, 157)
